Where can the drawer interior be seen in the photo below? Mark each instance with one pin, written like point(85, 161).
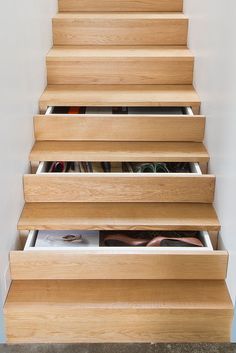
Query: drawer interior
point(121, 110)
point(119, 167)
point(114, 242)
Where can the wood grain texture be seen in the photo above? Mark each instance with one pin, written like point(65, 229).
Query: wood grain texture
point(120, 29)
point(119, 216)
point(35, 265)
point(153, 311)
point(121, 5)
point(117, 95)
point(120, 65)
point(119, 128)
point(119, 151)
point(114, 187)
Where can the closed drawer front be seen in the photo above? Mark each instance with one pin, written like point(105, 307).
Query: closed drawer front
point(139, 124)
point(94, 261)
point(119, 187)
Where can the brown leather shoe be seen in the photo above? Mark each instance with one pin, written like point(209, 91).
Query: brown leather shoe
point(185, 241)
point(123, 240)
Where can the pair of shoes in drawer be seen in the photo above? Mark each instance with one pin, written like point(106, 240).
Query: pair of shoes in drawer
point(64, 167)
point(151, 239)
point(118, 167)
point(158, 167)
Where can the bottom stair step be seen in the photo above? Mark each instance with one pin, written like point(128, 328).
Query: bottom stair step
point(118, 311)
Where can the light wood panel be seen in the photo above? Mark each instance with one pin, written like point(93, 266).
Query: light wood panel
point(117, 95)
point(121, 5)
point(49, 265)
point(119, 151)
point(114, 187)
point(120, 65)
point(119, 128)
point(118, 216)
point(120, 29)
point(95, 311)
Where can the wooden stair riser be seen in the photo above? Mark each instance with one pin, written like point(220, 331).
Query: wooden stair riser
point(121, 71)
point(34, 265)
point(118, 311)
point(121, 5)
point(120, 128)
point(117, 95)
point(120, 29)
point(119, 188)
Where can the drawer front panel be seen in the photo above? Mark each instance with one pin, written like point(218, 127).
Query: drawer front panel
point(71, 265)
point(121, 5)
point(119, 188)
point(121, 71)
point(120, 30)
point(119, 128)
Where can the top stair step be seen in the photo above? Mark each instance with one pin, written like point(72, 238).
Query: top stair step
point(110, 28)
point(121, 5)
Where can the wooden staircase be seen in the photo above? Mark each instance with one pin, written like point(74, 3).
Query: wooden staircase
point(126, 53)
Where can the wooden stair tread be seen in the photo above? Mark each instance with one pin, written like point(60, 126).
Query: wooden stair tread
point(73, 53)
point(95, 311)
point(120, 16)
point(169, 216)
point(121, 294)
point(117, 95)
point(122, 5)
point(119, 151)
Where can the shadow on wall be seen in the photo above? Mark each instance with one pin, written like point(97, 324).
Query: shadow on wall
point(2, 337)
point(234, 326)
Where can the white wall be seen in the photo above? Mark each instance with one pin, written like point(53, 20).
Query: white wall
point(212, 38)
point(25, 38)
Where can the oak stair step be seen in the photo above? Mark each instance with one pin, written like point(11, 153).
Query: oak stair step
point(125, 28)
point(116, 151)
point(95, 311)
point(118, 95)
point(121, 5)
point(120, 65)
point(119, 216)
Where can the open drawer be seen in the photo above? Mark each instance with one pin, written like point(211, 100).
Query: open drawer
point(91, 260)
point(119, 187)
point(122, 124)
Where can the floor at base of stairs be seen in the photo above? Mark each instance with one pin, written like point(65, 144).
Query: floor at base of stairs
point(119, 348)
